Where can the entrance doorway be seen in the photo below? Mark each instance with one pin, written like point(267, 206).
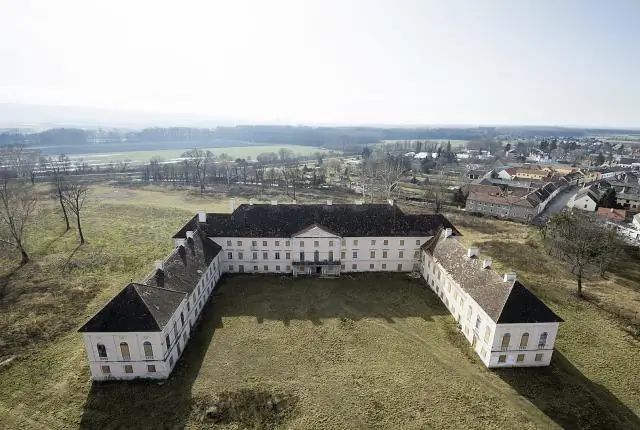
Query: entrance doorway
point(318, 270)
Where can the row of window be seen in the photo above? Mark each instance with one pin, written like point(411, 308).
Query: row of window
point(146, 346)
point(125, 352)
point(506, 338)
point(524, 340)
point(128, 368)
point(316, 243)
point(316, 255)
point(372, 266)
point(520, 358)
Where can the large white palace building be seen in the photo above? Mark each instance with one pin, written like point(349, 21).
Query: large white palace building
point(142, 331)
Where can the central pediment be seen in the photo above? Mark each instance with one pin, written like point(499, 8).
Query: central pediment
point(315, 231)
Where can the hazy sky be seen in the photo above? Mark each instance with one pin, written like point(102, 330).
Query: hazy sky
point(566, 62)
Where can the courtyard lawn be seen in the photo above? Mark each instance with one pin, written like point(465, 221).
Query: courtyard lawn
point(365, 351)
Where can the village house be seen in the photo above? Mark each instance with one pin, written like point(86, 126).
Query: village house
point(510, 199)
point(143, 330)
point(586, 199)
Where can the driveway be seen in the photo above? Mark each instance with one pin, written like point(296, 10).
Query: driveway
point(559, 202)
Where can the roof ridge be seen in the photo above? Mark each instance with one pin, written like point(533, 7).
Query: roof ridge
point(506, 298)
point(144, 301)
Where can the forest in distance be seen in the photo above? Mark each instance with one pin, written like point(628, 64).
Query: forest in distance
point(340, 138)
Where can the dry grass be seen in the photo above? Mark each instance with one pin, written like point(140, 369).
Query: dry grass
point(372, 351)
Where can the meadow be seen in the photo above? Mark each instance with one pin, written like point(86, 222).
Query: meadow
point(139, 157)
point(365, 351)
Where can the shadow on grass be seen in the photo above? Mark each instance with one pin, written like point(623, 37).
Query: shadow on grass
point(47, 246)
point(350, 297)
point(153, 404)
point(170, 405)
point(6, 278)
point(568, 397)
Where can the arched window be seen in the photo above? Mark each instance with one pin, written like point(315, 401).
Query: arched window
point(506, 338)
point(524, 340)
point(102, 350)
point(543, 340)
point(124, 350)
point(148, 350)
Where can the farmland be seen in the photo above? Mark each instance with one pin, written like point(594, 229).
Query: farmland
point(358, 352)
point(139, 157)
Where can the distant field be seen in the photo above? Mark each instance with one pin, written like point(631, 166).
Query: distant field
point(170, 154)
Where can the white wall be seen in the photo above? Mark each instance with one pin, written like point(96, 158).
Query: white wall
point(479, 329)
point(326, 242)
point(583, 203)
point(164, 359)
point(116, 361)
point(529, 352)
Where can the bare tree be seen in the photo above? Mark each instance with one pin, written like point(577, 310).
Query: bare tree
point(611, 249)
point(583, 242)
point(291, 174)
point(17, 204)
point(365, 177)
point(199, 161)
point(57, 169)
point(74, 197)
point(225, 160)
point(388, 173)
point(435, 192)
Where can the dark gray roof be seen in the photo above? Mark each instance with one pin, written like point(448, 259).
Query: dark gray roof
point(136, 308)
point(265, 220)
point(149, 306)
point(522, 306)
point(184, 267)
point(503, 302)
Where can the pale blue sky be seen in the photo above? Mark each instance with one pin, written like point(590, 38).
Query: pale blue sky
point(564, 62)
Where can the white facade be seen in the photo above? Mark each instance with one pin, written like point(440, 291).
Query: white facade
point(584, 202)
point(482, 332)
point(503, 174)
point(151, 355)
point(355, 254)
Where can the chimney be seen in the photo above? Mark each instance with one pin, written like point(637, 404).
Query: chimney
point(202, 216)
point(486, 263)
point(159, 265)
point(510, 277)
point(329, 202)
point(473, 251)
point(274, 202)
point(190, 235)
point(232, 205)
point(251, 201)
point(390, 202)
point(447, 232)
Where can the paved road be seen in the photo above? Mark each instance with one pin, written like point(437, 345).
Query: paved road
point(559, 202)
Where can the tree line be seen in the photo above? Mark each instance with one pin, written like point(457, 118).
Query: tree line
point(331, 137)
